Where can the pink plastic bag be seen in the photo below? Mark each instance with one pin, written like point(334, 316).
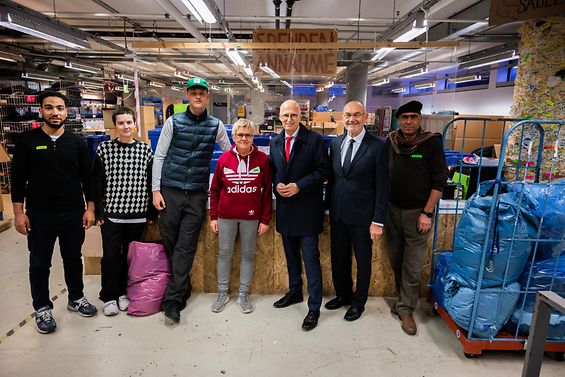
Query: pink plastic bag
point(148, 275)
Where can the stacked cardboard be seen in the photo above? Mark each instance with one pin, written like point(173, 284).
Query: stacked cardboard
point(473, 134)
point(328, 128)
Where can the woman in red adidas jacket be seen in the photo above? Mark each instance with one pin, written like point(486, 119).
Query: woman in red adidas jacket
point(240, 199)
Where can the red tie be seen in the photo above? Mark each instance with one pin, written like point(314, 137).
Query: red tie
point(287, 147)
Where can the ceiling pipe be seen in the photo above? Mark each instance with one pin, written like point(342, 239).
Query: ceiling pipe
point(277, 12)
point(289, 5)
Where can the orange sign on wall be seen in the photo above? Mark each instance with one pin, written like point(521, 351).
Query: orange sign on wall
point(319, 62)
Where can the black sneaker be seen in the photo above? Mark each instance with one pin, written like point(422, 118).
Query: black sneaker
point(172, 311)
point(44, 320)
point(82, 306)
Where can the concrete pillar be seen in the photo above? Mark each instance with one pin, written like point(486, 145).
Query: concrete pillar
point(356, 81)
point(322, 98)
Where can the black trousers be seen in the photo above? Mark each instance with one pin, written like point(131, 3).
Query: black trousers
point(46, 227)
point(116, 238)
point(180, 224)
point(343, 236)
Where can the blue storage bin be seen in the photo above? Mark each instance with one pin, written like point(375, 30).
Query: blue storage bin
point(93, 141)
point(154, 137)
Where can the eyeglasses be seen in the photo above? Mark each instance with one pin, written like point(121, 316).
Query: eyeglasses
point(354, 115)
point(289, 116)
point(409, 116)
point(243, 136)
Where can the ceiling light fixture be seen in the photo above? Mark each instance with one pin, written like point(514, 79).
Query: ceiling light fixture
point(419, 26)
point(329, 84)
point(156, 84)
point(176, 88)
point(286, 83)
point(248, 70)
point(418, 72)
point(487, 57)
point(37, 76)
point(200, 10)
point(33, 23)
point(235, 57)
point(265, 68)
point(459, 80)
point(425, 86)
point(319, 89)
point(214, 87)
point(398, 90)
point(11, 57)
point(255, 80)
point(381, 82)
point(182, 74)
point(82, 67)
point(123, 77)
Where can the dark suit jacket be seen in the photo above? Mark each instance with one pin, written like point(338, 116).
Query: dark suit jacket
point(302, 214)
point(360, 196)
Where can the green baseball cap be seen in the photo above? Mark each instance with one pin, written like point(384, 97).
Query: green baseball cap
point(197, 82)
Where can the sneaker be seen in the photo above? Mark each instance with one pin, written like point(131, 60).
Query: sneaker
point(110, 308)
point(44, 320)
point(172, 312)
point(220, 302)
point(82, 306)
point(123, 303)
point(244, 303)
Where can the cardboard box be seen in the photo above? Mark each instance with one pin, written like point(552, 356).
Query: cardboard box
point(321, 117)
point(474, 129)
point(337, 115)
point(473, 143)
point(4, 155)
point(497, 150)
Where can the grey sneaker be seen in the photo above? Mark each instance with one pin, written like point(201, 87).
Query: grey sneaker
point(244, 303)
point(220, 302)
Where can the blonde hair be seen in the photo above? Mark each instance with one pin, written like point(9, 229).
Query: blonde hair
point(244, 123)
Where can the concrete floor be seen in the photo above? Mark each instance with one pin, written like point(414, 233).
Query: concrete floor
point(267, 342)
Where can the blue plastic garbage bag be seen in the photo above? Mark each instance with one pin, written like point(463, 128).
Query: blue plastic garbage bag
point(506, 258)
point(443, 261)
point(495, 306)
point(550, 203)
point(546, 275)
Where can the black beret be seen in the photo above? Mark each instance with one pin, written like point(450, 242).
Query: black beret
point(410, 107)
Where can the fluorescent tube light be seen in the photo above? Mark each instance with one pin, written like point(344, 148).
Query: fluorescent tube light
point(82, 67)
point(425, 86)
point(35, 76)
point(182, 75)
point(124, 77)
point(487, 57)
point(329, 84)
point(265, 68)
point(11, 57)
point(38, 25)
point(410, 74)
point(381, 82)
point(459, 80)
point(214, 87)
point(494, 62)
point(176, 88)
point(91, 85)
point(200, 10)
point(248, 71)
point(156, 84)
point(319, 89)
point(415, 31)
point(235, 57)
point(398, 90)
point(255, 80)
point(287, 83)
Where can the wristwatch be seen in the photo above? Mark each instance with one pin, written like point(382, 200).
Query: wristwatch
point(429, 214)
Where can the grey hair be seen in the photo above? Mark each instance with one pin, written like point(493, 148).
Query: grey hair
point(244, 123)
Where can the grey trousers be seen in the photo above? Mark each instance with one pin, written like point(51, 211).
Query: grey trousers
point(406, 252)
point(227, 230)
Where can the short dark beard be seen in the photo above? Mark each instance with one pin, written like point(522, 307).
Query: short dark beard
point(54, 126)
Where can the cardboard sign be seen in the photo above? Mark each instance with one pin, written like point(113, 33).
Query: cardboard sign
point(320, 62)
point(506, 11)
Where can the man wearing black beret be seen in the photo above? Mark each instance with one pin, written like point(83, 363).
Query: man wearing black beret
point(418, 175)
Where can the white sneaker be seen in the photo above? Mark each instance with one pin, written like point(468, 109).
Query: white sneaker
point(110, 308)
point(123, 303)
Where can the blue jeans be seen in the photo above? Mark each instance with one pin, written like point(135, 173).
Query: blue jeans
point(311, 257)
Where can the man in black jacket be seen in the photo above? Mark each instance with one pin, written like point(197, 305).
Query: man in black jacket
point(358, 196)
point(51, 172)
point(300, 166)
point(418, 175)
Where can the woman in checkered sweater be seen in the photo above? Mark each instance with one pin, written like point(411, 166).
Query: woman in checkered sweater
point(123, 176)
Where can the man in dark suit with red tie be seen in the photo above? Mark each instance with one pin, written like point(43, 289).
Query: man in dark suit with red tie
point(299, 160)
point(358, 198)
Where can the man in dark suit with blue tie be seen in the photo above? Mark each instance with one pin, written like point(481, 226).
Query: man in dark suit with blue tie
point(358, 198)
point(299, 160)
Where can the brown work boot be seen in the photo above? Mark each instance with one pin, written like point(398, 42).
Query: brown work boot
point(408, 324)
